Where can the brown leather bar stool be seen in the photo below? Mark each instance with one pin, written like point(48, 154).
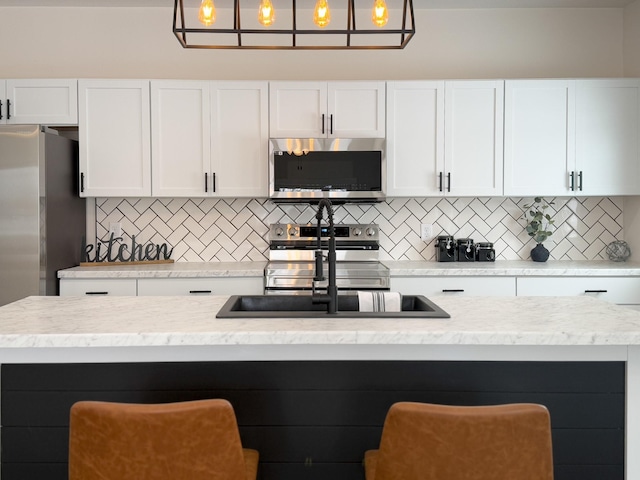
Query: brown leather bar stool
point(194, 440)
point(434, 442)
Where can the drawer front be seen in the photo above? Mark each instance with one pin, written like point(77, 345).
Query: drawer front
point(476, 286)
point(622, 290)
point(201, 286)
point(80, 287)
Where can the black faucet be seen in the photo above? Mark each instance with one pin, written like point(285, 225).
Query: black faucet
point(331, 297)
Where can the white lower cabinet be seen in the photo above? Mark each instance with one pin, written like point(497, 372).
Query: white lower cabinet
point(454, 285)
point(620, 290)
point(201, 286)
point(71, 287)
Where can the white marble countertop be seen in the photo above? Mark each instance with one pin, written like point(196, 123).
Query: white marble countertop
point(37, 322)
point(397, 268)
point(514, 268)
point(168, 270)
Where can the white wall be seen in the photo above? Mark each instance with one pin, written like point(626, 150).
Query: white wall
point(632, 40)
point(138, 43)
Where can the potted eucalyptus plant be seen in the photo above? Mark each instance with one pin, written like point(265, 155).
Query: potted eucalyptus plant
point(539, 227)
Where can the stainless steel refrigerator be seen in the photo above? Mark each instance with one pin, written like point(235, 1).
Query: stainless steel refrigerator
point(42, 217)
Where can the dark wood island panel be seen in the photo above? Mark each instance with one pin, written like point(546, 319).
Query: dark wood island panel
point(315, 419)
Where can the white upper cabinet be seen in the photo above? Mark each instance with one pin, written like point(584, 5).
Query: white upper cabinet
point(240, 139)
point(3, 102)
point(539, 128)
point(209, 138)
point(181, 138)
point(115, 138)
point(39, 101)
point(572, 137)
point(444, 138)
point(415, 138)
point(327, 109)
point(607, 130)
point(473, 142)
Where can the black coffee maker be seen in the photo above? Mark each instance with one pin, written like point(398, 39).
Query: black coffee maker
point(466, 250)
point(446, 249)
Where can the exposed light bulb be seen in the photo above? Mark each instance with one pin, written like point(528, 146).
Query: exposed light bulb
point(266, 13)
point(322, 14)
point(207, 13)
point(380, 14)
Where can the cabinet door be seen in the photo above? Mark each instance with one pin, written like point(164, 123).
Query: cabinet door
point(298, 109)
point(201, 286)
point(98, 287)
point(473, 146)
point(607, 130)
point(37, 101)
point(240, 139)
point(356, 109)
point(415, 138)
point(115, 138)
point(454, 285)
point(539, 133)
point(3, 102)
point(181, 138)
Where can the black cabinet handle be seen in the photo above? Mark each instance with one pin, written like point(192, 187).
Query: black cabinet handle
point(331, 124)
point(8, 109)
point(595, 291)
point(199, 291)
point(96, 293)
point(206, 182)
point(81, 182)
point(323, 123)
point(452, 290)
point(449, 182)
point(214, 182)
point(0, 109)
point(580, 180)
point(572, 181)
point(440, 181)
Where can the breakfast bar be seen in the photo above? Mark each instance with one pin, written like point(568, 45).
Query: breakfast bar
point(94, 333)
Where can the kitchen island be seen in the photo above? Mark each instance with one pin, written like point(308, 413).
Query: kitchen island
point(559, 333)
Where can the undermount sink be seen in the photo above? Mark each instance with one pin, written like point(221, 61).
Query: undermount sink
point(302, 306)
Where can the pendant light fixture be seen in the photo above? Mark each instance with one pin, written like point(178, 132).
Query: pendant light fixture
point(296, 27)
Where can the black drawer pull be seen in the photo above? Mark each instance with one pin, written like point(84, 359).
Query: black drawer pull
point(96, 293)
point(199, 291)
point(595, 291)
point(206, 182)
point(0, 110)
point(452, 290)
point(8, 109)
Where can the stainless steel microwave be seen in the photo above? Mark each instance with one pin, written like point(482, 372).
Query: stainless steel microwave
point(343, 170)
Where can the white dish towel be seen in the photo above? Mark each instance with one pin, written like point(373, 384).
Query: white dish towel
point(380, 301)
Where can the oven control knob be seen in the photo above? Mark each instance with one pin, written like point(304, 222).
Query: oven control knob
point(357, 232)
point(370, 232)
point(279, 231)
point(293, 231)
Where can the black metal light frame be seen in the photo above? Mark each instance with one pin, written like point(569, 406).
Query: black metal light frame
point(405, 33)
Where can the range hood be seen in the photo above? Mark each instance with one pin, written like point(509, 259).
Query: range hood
point(342, 170)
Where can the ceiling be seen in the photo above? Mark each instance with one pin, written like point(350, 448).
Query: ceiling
point(418, 4)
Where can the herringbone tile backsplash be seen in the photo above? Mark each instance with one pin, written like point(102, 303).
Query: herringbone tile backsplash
point(220, 230)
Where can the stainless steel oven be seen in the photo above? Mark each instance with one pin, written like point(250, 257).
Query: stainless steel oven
point(291, 266)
